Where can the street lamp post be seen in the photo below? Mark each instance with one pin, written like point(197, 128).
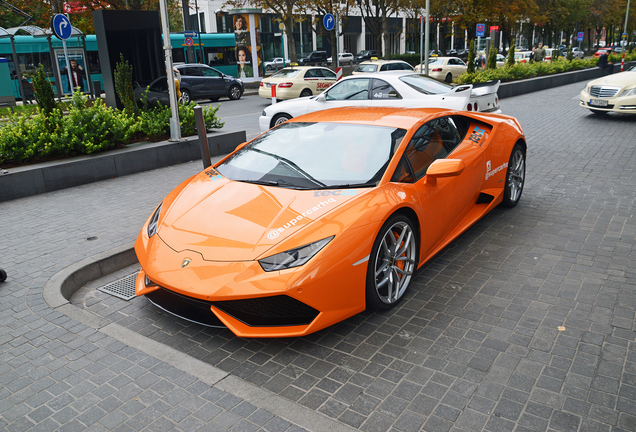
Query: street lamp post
point(625, 38)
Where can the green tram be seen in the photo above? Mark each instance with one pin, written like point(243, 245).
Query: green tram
point(218, 50)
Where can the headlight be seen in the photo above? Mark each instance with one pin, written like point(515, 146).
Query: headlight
point(293, 257)
point(628, 92)
point(154, 222)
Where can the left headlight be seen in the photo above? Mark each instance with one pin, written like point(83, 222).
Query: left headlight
point(293, 257)
point(154, 222)
point(628, 92)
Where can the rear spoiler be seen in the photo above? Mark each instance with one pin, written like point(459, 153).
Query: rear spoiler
point(488, 87)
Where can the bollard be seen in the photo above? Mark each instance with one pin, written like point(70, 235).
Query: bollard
point(273, 93)
point(203, 136)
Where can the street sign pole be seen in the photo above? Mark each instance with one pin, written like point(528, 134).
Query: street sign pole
point(68, 69)
point(625, 36)
point(427, 35)
point(62, 28)
point(421, 42)
point(337, 42)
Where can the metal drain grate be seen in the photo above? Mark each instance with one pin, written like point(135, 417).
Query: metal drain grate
point(123, 288)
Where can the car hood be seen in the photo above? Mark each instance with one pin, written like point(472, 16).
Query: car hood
point(226, 220)
point(621, 79)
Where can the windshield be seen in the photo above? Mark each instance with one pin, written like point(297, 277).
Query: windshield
point(315, 156)
point(286, 73)
point(424, 84)
point(435, 60)
point(366, 68)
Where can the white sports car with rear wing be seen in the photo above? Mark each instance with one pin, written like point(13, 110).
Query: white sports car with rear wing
point(388, 89)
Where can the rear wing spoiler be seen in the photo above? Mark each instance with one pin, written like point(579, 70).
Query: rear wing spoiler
point(488, 87)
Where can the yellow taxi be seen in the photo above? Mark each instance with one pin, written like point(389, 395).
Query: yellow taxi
point(297, 81)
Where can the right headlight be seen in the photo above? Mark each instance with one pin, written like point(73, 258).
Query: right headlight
point(293, 257)
point(154, 221)
point(628, 92)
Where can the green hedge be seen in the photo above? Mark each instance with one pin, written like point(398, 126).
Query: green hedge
point(88, 129)
point(531, 70)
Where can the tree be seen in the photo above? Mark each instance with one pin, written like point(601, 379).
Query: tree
point(336, 8)
point(376, 15)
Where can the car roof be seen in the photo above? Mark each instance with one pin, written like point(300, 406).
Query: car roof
point(381, 62)
point(404, 118)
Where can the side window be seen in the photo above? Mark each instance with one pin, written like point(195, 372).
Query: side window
point(403, 173)
point(160, 86)
point(383, 90)
point(191, 71)
point(384, 67)
point(328, 74)
point(211, 73)
point(434, 140)
point(353, 89)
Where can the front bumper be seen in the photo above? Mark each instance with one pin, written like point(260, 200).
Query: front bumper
point(625, 105)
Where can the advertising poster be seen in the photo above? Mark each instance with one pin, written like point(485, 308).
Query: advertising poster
point(243, 43)
point(78, 69)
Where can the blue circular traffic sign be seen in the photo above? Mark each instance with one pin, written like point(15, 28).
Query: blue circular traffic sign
point(61, 26)
point(329, 22)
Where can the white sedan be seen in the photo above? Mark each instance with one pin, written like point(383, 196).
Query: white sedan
point(343, 58)
point(444, 68)
point(390, 89)
point(611, 93)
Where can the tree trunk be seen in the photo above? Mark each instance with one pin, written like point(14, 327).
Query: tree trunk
point(291, 42)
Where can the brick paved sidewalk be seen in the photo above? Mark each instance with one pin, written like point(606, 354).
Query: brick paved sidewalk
point(524, 323)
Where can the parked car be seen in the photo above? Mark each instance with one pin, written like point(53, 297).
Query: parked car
point(275, 63)
point(387, 89)
point(314, 58)
point(297, 81)
point(365, 55)
point(198, 81)
point(343, 58)
point(444, 68)
point(523, 56)
point(578, 53)
point(325, 216)
point(611, 93)
point(375, 65)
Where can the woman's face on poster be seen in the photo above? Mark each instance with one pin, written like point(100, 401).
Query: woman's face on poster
point(240, 24)
point(242, 56)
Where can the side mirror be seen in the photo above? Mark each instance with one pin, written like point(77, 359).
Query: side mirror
point(321, 97)
point(444, 168)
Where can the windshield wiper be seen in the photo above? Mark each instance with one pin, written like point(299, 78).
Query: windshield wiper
point(277, 183)
point(351, 185)
point(290, 164)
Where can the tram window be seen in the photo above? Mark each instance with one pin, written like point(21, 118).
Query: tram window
point(219, 56)
point(93, 61)
point(178, 55)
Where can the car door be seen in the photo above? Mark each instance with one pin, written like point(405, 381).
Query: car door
point(457, 67)
point(158, 91)
point(214, 82)
point(348, 92)
point(446, 201)
point(192, 80)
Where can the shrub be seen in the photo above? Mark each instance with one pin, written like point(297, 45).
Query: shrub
point(510, 61)
point(471, 58)
point(124, 85)
point(492, 57)
point(43, 91)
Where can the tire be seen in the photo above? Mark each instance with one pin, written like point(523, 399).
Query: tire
point(305, 93)
point(449, 78)
point(391, 264)
point(235, 92)
point(3, 275)
point(186, 96)
point(515, 177)
point(598, 113)
point(280, 118)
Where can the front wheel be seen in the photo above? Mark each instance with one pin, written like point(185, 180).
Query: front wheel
point(515, 177)
point(235, 92)
point(280, 118)
point(305, 93)
point(392, 263)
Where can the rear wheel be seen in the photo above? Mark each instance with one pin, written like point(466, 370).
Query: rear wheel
point(392, 262)
point(280, 118)
point(449, 77)
point(3, 275)
point(515, 177)
point(305, 93)
point(235, 92)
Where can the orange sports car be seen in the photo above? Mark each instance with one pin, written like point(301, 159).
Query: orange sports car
point(325, 215)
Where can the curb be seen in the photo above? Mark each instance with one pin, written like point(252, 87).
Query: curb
point(60, 288)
